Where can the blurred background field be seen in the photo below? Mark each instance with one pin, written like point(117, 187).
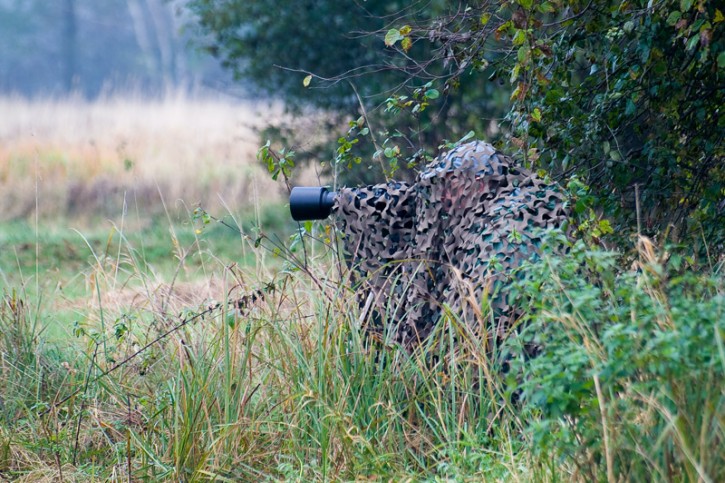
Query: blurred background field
point(79, 159)
point(86, 184)
point(115, 128)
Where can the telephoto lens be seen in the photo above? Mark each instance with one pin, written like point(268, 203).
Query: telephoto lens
point(311, 203)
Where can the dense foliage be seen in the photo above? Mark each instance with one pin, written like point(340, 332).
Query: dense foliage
point(333, 55)
point(626, 94)
point(628, 380)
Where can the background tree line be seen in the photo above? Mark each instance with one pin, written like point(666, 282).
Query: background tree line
point(90, 47)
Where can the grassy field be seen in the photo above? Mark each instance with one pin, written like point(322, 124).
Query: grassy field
point(71, 158)
point(117, 182)
point(142, 340)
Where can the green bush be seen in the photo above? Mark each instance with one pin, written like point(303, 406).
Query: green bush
point(628, 381)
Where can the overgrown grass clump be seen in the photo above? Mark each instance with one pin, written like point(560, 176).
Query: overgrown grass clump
point(276, 380)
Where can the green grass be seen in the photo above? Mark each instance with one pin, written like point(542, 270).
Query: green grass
point(272, 379)
point(58, 265)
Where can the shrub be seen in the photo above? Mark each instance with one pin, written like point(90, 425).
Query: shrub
point(629, 377)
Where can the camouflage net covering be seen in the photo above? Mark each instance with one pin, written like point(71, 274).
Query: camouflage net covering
point(449, 240)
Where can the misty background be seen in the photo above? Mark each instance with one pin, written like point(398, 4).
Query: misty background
point(92, 48)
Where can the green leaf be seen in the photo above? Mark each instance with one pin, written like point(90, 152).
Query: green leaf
point(673, 18)
point(469, 135)
point(522, 53)
point(536, 115)
point(392, 36)
point(685, 5)
point(721, 60)
point(546, 7)
point(485, 18)
point(693, 41)
point(515, 73)
point(432, 94)
point(306, 81)
point(605, 227)
point(526, 3)
point(519, 37)
point(406, 44)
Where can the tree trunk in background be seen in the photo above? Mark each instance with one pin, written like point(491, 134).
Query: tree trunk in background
point(70, 31)
point(143, 36)
point(162, 26)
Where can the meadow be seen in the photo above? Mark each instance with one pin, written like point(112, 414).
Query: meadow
point(163, 320)
point(81, 181)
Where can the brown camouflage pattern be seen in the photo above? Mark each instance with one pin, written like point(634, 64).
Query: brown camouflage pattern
point(448, 241)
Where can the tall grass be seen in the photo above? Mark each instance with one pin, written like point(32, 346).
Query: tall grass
point(191, 354)
point(277, 381)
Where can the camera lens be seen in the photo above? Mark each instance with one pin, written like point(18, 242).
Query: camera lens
point(311, 203)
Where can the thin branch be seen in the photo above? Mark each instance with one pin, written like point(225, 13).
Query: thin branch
point(372, 131)
point(128, 359)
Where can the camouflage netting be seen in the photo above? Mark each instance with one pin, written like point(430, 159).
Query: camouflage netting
point(451, 239)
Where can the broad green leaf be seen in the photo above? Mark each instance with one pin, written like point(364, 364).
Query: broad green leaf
point(546, 7)
point(519, 37)
point(693, 41)
point(527, 4)
point(605, 227)
point(515, 73)
point(673, 18)
point(685, 5)
point(721, 60)
point(306, 81)
point(469, 135)
point(432, 94)
point(486, 17)
point(522, 53)
point(536, 115)
point(406, 43)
